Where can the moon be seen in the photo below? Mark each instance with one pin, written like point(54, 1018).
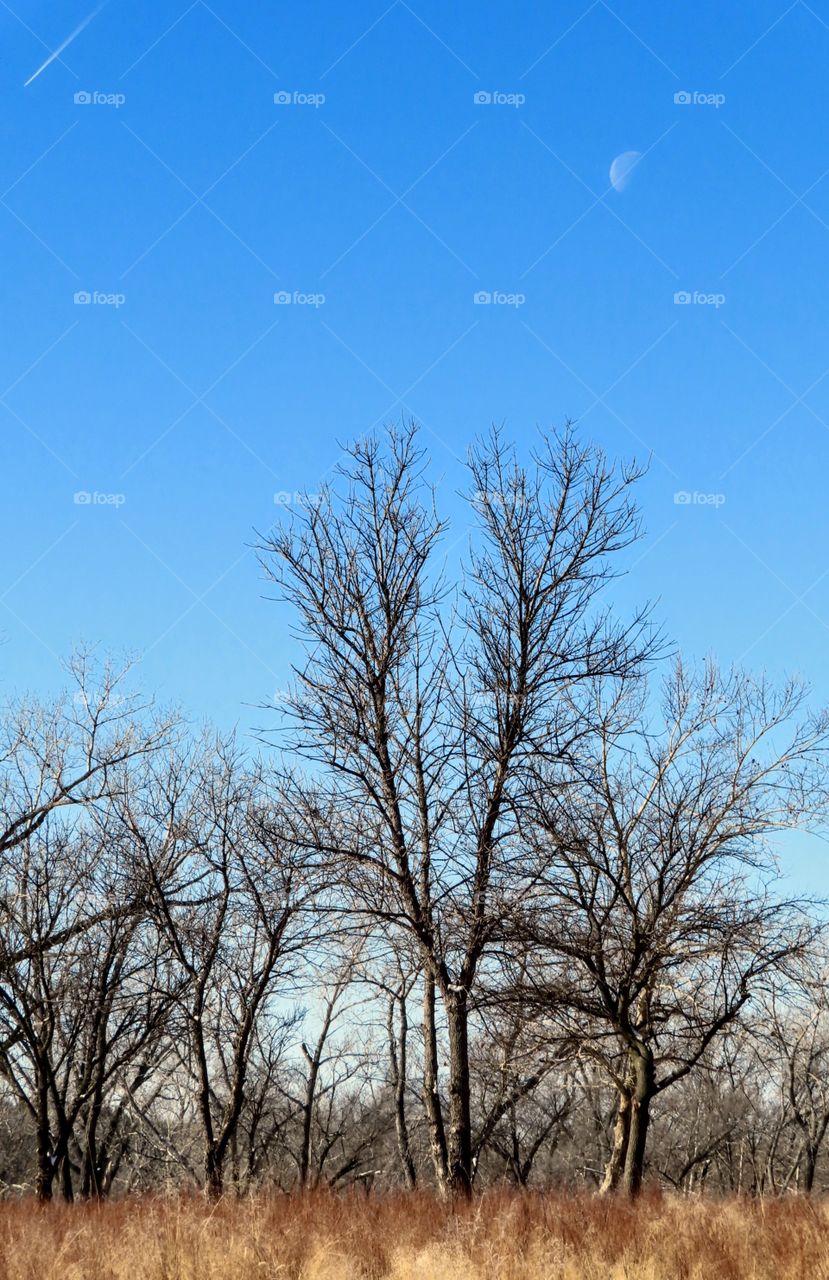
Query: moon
point(622, 168)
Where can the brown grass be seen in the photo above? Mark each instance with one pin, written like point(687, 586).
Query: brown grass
point(413, 1237)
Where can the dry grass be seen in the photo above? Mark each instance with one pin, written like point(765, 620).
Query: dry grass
point(326, 1237)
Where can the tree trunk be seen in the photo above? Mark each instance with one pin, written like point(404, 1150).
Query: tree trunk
point(90, 1184)
point(459, 1145)
point(515, 1149)
point(313, 1061)
point(66, 1188)
point(643, 1091)
point(815, 1135)
point(45, 1166)
point(213, 1173)
point(397, 1058)
point(212, 1156)
point(45, 1175)
point(618, 1153)
point(431, 1093)
point(807, 1168)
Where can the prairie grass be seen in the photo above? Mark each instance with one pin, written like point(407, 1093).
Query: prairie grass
point(320, 1236)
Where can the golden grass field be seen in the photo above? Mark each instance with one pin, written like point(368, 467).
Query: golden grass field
point(320, 1236)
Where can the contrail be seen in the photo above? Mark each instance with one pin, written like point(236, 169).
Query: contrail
point(66, 42)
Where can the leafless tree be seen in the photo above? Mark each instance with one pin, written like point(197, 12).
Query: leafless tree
point(316, 1059)
point(523, 1089)
point(72, 750)
point(430, 711)
point(230, 900)
point(57, 759)
point(397, 1032)
point(654, 918)
point(793, 1042)
point(495, 911)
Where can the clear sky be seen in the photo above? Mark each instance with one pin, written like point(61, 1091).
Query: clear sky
point(181, 197)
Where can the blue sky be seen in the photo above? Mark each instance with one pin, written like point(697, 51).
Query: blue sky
point(182, 197)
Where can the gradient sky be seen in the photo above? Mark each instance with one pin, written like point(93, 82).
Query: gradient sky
point(183, 188)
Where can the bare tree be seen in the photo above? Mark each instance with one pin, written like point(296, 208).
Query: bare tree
point(59, 759)
point(794, 1044)
point(39, 995)
point(654, 918)
point(331, 1088)
point(230, 900)
point(523, 1090)
point(72, 751)
point(397, 1032)
point(429, 720)
point(84, 1014)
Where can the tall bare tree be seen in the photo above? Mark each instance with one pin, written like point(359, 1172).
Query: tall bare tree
point(654, 918)
point(429, 710)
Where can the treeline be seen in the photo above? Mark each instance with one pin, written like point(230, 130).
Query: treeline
point(501, 902)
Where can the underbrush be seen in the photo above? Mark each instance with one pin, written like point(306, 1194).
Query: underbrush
point(503, 1235)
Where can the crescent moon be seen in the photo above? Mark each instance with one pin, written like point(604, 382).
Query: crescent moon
point(622, 168)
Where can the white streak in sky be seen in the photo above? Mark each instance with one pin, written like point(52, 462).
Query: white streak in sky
point(66, 42)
